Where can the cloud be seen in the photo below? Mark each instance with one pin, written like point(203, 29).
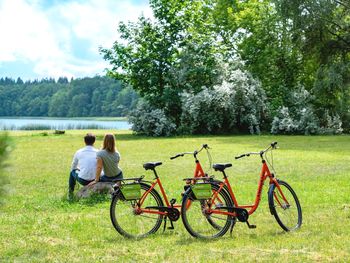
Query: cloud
point(62, 39)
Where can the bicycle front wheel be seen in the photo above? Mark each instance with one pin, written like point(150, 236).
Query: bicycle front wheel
point(199, 217)
point(127, 218)
point(285, 206)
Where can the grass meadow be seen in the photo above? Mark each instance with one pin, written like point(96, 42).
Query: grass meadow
point(38, 224)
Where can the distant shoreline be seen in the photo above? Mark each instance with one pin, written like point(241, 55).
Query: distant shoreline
point(50, 123)
point(67, 118)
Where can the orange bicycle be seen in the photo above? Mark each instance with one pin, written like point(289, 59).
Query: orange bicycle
point(213, 198)
point(137, 209)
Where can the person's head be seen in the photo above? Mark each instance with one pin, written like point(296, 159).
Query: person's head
point(109, 143)
point(89, 139)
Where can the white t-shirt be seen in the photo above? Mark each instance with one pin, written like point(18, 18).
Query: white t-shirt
point(85, 160)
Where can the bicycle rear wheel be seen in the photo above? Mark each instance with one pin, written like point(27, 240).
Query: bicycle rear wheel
point(287, 211)
point(130, 223)
point(199, 221)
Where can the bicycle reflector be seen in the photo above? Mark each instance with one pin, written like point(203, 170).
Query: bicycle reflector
point(201, 190)
point(131, 191)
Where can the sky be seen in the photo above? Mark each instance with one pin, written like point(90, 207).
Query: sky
point(55, 38)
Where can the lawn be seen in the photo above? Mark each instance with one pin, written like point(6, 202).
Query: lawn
point(38, 224)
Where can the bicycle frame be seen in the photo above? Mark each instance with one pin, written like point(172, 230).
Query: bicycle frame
point(198, 172)
point(264, 174)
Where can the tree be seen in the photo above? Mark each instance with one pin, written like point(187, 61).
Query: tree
point(323, 28)
point(162, 58)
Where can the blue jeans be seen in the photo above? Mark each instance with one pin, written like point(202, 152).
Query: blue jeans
point(104, 178)
point(73, 177)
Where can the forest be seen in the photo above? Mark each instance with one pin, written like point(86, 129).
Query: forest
point(237, 66)
point(86, 97)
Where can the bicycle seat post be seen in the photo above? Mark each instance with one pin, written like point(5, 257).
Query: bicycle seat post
point(155, 173)
point(223, 172)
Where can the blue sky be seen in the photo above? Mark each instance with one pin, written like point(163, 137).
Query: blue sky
point(53, 38)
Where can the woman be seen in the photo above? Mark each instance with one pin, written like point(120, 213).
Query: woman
point(108, 159)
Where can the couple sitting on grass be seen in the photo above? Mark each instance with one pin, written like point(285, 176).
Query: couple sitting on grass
point(89, 163)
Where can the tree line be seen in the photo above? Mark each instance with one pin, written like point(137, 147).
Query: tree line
point(85, 97)
point(223, 66)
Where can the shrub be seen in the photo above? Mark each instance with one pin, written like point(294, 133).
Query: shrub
point(333, 124)
point(237, 104)
point(300, 117)
point(150, 121)
point(305, 122)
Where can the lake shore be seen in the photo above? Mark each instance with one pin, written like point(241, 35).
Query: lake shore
point(77, 123)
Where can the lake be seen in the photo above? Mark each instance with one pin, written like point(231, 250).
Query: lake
point(61, 124)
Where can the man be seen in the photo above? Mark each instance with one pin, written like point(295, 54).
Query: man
point(84, 164)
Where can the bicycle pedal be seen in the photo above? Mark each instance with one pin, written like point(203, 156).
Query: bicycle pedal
point(170, 227)
point(173, 201)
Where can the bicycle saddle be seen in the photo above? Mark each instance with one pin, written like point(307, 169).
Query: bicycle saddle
point(221, 166)
point(151, 166)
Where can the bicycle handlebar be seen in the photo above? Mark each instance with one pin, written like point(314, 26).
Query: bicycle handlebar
point(271, 146)
point(204, 146)
point(178, 155)
point(242, 155)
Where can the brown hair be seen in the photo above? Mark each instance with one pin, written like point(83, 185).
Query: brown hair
point(109, 143)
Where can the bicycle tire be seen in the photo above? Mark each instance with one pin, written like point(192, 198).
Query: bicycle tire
point(200, 224)
point(288, 216)
point(127, 222)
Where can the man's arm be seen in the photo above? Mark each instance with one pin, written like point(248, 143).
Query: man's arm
point(75, 162)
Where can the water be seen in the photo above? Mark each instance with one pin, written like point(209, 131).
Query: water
point(60, 124)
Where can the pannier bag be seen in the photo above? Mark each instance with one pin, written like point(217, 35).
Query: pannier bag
point(201, 190)
point(131, 191)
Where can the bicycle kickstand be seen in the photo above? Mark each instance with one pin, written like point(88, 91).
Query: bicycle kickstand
point(231, 228)
point(171, 225)
point(250, 226)
point(165, 218)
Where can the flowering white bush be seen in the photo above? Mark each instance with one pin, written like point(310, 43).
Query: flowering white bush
point(237, 104)
point(304, 122)
point(333, 124)
point(150, 121)
point(301, 119)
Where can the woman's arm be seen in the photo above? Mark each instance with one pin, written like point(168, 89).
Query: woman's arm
point(98, 171)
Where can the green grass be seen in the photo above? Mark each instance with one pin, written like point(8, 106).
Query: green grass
point(38, 224)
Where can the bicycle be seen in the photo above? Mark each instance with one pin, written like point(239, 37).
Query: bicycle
point(283, 202)
point(137, 209)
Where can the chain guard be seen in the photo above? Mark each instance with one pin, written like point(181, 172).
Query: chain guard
point(242, 214)
point(173, 214)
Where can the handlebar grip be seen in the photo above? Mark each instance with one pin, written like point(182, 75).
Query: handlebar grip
point(174, 157)
point(238, 157)
point(273, 145)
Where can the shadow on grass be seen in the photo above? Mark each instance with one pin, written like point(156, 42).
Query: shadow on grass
point(94, 199)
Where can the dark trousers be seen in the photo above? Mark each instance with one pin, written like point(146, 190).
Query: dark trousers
point(73, 178)
point(104, 178)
